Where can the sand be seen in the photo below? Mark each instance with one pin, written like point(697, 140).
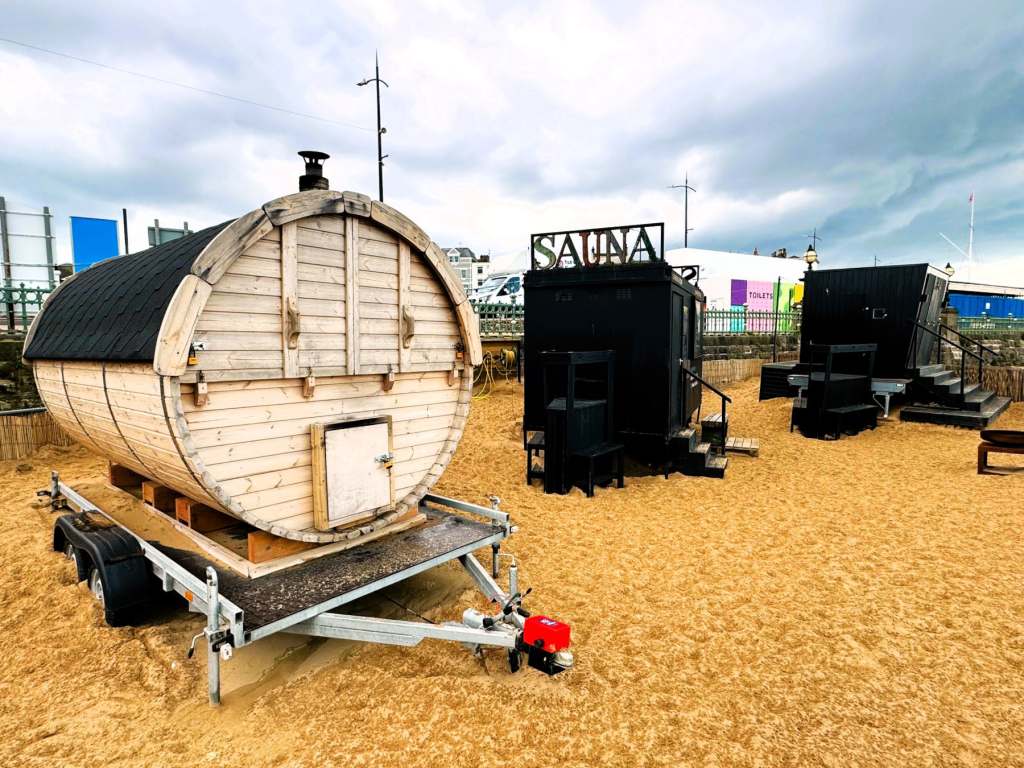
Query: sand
point(858, 602)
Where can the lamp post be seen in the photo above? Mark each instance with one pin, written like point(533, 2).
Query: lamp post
point(811, 257)
point(380, 130)
point(949, 269)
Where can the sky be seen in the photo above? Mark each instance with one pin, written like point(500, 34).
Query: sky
point(872, 122)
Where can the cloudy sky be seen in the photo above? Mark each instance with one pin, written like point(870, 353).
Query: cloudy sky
point(871, 121)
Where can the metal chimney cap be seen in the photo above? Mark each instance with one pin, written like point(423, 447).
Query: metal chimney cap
point(314, 175)
point(312, 155)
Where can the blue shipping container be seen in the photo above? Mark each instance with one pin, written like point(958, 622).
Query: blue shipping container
point(970, 305)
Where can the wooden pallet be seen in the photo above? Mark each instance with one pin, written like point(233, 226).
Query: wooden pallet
point(747, 445)
point(237, 545)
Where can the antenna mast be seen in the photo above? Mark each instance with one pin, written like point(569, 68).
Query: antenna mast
point(687, 189)
point(970, 239)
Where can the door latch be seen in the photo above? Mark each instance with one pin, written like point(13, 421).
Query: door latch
point(386, 459)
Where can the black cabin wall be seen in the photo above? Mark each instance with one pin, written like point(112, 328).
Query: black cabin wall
point(871, 305)
point(633, 310)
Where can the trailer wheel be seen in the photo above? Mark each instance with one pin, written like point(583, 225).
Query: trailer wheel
point(96, 585)
point(72, 554)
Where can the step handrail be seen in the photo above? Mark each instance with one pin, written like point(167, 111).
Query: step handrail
point(963, 358)
point(716, 390)
point(981, 346)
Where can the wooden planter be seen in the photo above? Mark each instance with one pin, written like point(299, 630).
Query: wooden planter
point(320, 308)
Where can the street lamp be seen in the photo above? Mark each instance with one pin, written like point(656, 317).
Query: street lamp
point(811, 257)
point(949, 269)
point(380, 131)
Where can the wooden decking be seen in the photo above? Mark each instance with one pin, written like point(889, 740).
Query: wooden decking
point(747, 445)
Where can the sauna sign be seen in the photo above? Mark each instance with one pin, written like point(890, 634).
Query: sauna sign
point(601, 247)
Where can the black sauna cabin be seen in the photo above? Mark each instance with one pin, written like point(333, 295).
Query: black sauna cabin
point(650, 317)
point(898, 309)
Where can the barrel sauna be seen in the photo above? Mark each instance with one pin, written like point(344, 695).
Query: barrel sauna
point(306, 367)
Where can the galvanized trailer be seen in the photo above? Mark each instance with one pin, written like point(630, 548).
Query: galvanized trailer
point(123, 569)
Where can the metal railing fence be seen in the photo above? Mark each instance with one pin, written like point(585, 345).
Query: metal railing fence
point(985, 323)
point(500, 320)
point(20, 304)
point(739, 320)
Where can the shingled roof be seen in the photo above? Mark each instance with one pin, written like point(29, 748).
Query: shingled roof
point(112, 311)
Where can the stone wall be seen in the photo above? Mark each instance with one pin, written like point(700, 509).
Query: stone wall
point(750, 346)
point(17, 388)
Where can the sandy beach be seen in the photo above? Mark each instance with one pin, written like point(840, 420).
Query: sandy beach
point(858, 602)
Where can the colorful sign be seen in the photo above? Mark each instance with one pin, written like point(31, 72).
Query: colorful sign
point(93, 240)
point(630, 244)
point(750, 298)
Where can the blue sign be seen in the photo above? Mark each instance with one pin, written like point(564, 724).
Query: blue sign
point(93, 240)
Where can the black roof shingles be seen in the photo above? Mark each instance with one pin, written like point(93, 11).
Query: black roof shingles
point(112, 311)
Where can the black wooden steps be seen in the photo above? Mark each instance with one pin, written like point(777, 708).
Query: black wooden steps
point(713, 428)
point(989, 410)
point(716, 467)
point(940, 397)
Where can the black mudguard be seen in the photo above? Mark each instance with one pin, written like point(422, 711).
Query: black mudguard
point(127, 579)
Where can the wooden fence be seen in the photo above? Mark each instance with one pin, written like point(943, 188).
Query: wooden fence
point(24, 432)
point(724, 372)
point(1006, 380)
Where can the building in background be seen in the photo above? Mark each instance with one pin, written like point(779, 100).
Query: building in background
point(737, 280)
point(984, 300)
point(473, 270)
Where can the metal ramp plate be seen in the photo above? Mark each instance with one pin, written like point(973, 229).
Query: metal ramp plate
point(289, 592)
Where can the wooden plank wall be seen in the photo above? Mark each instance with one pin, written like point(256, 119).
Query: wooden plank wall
point(253, 437)
point(117, 410)
point(242, 324)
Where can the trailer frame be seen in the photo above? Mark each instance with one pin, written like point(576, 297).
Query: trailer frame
point(225, 620)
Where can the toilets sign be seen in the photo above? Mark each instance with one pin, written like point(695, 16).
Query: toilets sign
point(585, 248)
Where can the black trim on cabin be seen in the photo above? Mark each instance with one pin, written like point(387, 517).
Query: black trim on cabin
point(112, 311)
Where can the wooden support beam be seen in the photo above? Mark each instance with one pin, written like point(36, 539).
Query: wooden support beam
point(265, 546)
point(200, 517)
point(318, 459)
point(352, 295)
point(122, 477)
point(159, 496)
point(406, 320)
point(290, 320)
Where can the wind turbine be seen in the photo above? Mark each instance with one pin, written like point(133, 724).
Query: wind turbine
point(969, 254)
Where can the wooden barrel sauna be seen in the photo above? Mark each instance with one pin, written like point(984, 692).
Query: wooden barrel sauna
point(306, 367)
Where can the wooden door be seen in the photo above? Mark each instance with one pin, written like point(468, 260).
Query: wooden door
point(357, 471)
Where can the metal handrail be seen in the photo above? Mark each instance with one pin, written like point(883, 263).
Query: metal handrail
point(952, 343)
point(963, 359)
point(717, 391)
point(981, 346)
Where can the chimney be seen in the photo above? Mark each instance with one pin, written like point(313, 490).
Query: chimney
point(313, 178)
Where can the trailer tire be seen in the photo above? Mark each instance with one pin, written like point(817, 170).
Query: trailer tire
point(96, 586)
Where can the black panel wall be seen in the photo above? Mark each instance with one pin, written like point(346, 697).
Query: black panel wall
point(872, 305)
point(643, 312)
